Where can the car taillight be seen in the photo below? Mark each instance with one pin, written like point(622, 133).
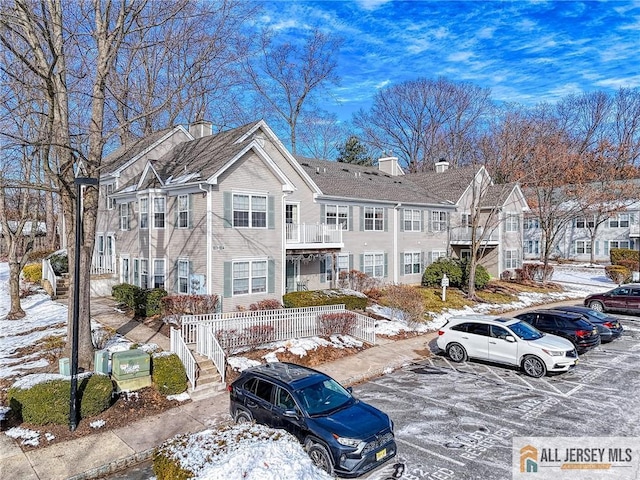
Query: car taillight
point(229, 388)
point(583, 333)
point(608, 325)
point(440, 332)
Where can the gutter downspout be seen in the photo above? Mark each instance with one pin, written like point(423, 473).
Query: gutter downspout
point(396, 256)
point(209, 234)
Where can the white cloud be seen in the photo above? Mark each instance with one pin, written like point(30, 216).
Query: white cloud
point(371, 4)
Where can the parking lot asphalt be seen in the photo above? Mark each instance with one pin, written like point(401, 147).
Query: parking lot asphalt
point(457, 421)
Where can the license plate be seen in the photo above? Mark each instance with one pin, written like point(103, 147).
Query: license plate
point(381, 454)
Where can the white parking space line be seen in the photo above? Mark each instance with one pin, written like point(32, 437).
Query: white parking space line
point(429, 452)
point(395, 388)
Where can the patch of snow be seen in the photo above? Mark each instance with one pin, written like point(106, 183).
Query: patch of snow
point(180, 397)
point(241, 363)
point(97, 424)
point(28, 437)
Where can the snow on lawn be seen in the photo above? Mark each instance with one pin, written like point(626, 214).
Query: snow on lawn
point(242, 452)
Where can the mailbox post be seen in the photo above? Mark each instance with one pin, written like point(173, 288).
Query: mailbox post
point(444, 283)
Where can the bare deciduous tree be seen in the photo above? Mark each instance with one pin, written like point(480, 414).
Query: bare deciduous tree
point(287, 76)
point(422, 121)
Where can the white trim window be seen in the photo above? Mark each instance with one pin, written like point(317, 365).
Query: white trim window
point(438, 221)
point(582, 247)
point(337, 215)
point(412, 220)
point(619, 221)
point(511, 259)
point(124, 216)
point(531, 223)
point(512, 223)
point(412, 263)
point(182, 204)
point(125, 276)
point(465, 220)
point(158, 272)
point(434, 255)
point(183, 276)
point(342, 262)
point(144, 273)
point(373, 219)
point(374, 264)
point(249, 276)
point(136, 272)
point(532, 247)
point(143, 207)
point(110, 203)
point(249, 211)
point(159, 211)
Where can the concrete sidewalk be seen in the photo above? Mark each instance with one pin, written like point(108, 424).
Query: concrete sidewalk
point(110, 451)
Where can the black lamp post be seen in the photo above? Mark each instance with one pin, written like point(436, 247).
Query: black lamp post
point(73, 411)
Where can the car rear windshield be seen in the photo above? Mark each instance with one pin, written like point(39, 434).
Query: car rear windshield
point(526, 331)
point(583, 324)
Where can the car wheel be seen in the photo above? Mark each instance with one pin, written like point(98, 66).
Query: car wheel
point(320, 457)
point(534, 367)
point(597, 306)
point(456, 352)
point(243, 417)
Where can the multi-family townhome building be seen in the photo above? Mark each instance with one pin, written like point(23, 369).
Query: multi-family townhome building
point(235, 214)
point(584, 237)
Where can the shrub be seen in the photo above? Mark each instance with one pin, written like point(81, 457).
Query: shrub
point(168, 374)
point(48, 402)
point(507, 276)
point(356, 280)
point(433, 273)
point(144, 303)
point(59, 263)
point(340, 323)
point(129, 295)
point(408, 300)
point(32, 272)
point(153, 301)
point(174, 306)
point(268, 304)
point(632, 265)
point(618, 254)
point(618, 273)
point(482, 276)
point(314, 298)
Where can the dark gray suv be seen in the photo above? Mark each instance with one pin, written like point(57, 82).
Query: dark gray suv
point(341, 434)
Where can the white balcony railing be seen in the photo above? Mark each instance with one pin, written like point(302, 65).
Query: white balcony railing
point(313, 235)
point(103, 264)
point(464, 235)
point(634, 230)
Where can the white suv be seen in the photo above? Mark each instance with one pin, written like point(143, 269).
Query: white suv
point(506, 340)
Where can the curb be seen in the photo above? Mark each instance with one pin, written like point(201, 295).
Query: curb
point(115, 466)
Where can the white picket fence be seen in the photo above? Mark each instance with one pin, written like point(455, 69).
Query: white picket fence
point(238, 329)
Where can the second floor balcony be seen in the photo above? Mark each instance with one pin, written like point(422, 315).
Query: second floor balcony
point(462, 236)
point(302, 236)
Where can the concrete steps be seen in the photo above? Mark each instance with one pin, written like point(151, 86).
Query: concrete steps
point(62, 287)
point(208, 380)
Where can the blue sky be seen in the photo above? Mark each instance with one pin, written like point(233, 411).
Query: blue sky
point(525, 52)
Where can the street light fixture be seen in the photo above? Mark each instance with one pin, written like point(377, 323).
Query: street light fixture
point(73, 411)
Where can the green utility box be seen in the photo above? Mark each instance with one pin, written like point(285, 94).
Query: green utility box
point(131, 370)
point(101, 362)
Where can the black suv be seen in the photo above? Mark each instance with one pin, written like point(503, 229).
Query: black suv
point(341, 434)
point(572, 326)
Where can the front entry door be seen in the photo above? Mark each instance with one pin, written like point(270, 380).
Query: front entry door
point(292, 274)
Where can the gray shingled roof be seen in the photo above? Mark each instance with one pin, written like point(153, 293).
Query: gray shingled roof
point(129, 150)
point(347, 180)
point(204, 155)
point(448, 185)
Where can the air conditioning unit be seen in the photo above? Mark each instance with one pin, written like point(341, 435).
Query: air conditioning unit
point(131, 370)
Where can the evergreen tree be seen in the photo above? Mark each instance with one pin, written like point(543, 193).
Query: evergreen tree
point(354, 151)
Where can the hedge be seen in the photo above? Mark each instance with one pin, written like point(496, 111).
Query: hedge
point(145, 303)
point(48, 402)
point(168, 374)
point(313, 298)
point(618, 254)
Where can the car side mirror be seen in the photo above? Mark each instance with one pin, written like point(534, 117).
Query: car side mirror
point(350, 390)
point(510, 338)
point(291, 414)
